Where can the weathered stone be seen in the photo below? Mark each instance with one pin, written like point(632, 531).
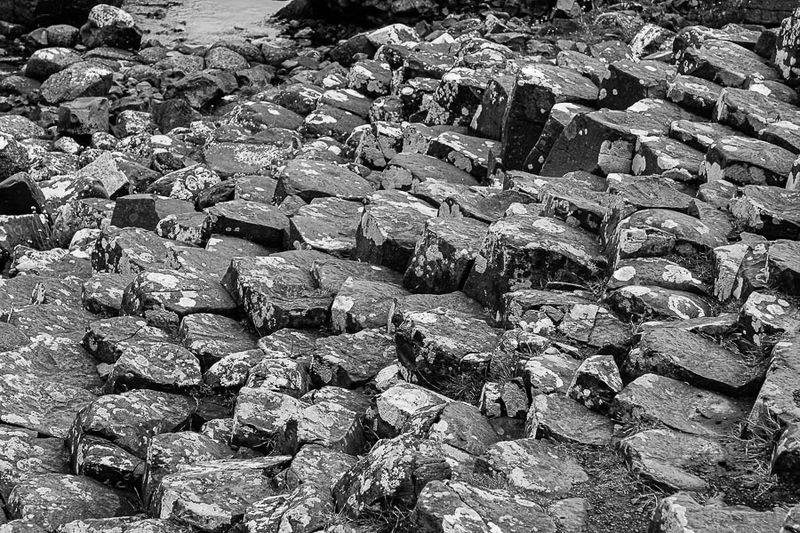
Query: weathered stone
point(213, 495)
point(82, 79)
point(746, 161)
point(531, 466)
point(652, 398)
point(389, 228)
point(683, 509)
point(395, 469)
point(159, 366)
point(53, 500)
point(629, 81)
point(768, 211)
point(212, 337)
point(279, 291)
point(317, 179)
point(260, 223)
point(692, 358)
point(435, 345)
point(538, 88)
point(723, 62)
point(351, 360)
point(471, 509)
point(596, 382)
point(776, 400)
point(519, 249)
point(326, 224)
point(560, 418)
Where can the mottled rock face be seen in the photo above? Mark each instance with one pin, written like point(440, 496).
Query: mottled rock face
point(51, 11)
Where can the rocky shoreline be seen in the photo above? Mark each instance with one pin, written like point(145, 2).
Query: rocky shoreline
point(481, 273)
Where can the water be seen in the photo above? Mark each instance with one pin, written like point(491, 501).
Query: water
point(204, 21)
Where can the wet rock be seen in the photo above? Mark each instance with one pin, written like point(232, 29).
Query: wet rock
point(444, 254)
point(351, 360)
point(279, 291)
point(538, 88)
point(677, 405)
point(531, 466)
point(439, 343)
point(389, 228)
point(213, 495)
point(561, 418)
point(672, 459)
point(53, 500)
point(396, 469)
point(683, 509)
point(596, 382)
point(456, 504)
point(692, 358)
point(517, 248)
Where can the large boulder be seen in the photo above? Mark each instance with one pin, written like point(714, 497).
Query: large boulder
point(44, 12)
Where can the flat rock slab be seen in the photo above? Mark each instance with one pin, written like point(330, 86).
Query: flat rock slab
point(108, 338)
point(25, 455)
point(443, 504)
point(159, 366)
point(678, 405)
point(520, 249)
point(47, 407)
point(561, 418)
point(53, 500)
point(470, 154)
point(279, 291)
point(390, 225)
point(212, 337)
point(684, 509)
point(309, 179)
point(146, 210)
point(746, 161)
point(531, 466)
point(693, 358)
point(672, 459)
point(362, 304)
point(724, 62)
point(326, 224)
point(178, 292)
point(351, 360)
point(331, 273)
point(257, 222)
point(484, 204)
point(128, 420)
point(213, 495)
